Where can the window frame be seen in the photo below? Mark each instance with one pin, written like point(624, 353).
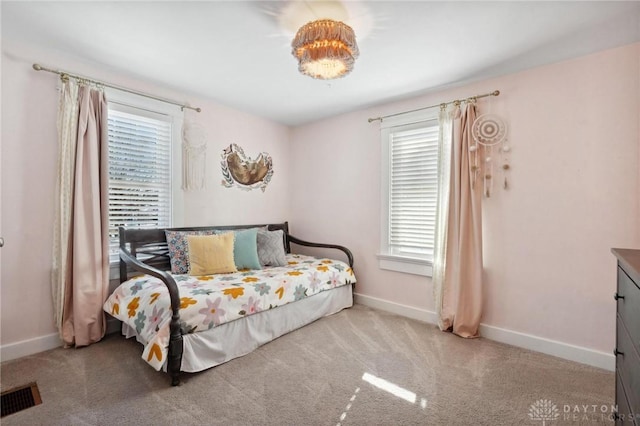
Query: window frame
point(386, 258)
point(151, 108)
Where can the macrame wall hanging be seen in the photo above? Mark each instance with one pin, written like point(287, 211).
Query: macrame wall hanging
point(489, 151)
point(194, 156)
point(244, 172)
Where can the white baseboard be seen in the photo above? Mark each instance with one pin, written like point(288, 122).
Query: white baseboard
point(30, 346)
point(522, 340)
point(396, 308)
point(550, 347)
point(44, 343)
point(527, 341)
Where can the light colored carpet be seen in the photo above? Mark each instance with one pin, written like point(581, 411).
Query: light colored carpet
point(358, 367)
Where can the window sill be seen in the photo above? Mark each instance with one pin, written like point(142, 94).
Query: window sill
point(407, 265)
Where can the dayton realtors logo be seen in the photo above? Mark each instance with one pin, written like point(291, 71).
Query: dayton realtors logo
point(543, 410)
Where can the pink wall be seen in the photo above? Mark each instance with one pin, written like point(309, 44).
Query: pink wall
point(228, 206)
point(28, 167)
point(575, 193)
point(575, 190)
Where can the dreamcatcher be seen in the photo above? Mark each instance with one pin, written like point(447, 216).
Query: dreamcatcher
point(489, 133)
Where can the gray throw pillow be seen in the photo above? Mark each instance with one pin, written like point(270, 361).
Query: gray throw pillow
point(271, 248)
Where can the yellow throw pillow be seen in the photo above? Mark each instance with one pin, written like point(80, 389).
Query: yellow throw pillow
point(211, 254)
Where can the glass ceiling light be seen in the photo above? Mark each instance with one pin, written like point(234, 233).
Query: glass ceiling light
point(325, 49)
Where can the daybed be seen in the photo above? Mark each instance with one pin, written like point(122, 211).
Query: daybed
point(191, 323)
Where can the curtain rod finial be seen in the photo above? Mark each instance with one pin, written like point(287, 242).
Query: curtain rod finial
point(496, 93)
point(37, 67)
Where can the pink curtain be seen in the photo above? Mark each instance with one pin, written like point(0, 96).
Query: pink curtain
point(461, 292)
point(86, 278)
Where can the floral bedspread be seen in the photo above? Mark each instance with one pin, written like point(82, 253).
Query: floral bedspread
point(207, 301)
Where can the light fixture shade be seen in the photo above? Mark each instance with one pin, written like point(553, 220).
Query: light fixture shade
point(325, 49)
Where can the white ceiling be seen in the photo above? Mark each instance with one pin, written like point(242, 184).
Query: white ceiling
point(238, 52)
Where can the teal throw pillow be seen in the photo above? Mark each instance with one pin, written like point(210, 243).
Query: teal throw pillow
point(245, 249)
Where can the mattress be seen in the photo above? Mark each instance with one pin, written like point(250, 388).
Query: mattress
point(240, 337)
point(209, 302)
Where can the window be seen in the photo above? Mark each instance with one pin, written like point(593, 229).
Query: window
point(141, 151)
point(410, 191)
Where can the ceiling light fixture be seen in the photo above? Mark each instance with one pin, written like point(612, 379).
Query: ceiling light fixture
point(325, 49)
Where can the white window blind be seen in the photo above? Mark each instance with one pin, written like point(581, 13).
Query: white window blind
point(413, 190)
point(139, 172)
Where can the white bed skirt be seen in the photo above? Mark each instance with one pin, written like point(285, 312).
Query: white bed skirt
point(231, 340)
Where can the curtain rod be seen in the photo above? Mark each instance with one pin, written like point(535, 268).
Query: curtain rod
point(39, 67)
point(494, 93)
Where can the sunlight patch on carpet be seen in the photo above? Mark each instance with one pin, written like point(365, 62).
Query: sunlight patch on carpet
point(344, 414)
point(392, 388)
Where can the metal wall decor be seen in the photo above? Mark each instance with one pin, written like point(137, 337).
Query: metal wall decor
point(245, 172)
point(490, 135)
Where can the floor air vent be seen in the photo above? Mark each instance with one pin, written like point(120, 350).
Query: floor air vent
point(18, 399)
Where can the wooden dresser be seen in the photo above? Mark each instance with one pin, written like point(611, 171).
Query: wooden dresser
point(627, 349)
